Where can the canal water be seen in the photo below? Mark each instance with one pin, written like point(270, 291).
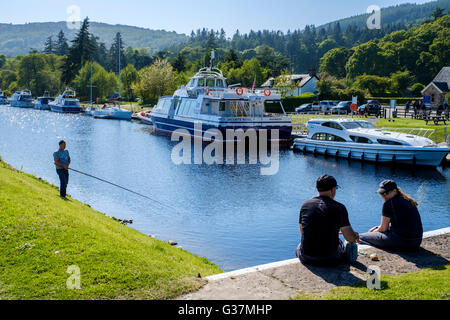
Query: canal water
point(230, 214)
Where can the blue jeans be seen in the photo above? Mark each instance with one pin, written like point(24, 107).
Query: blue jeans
point(345, 252)
point(389, 240)
point(63, 181)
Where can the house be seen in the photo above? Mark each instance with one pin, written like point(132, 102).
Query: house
point(297, 83)
point(437, 89)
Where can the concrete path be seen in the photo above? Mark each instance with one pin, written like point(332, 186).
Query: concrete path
point(285, 279)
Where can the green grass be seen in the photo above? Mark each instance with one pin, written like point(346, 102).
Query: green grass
point(427, 284)
point(41, 235)
point(385, 123)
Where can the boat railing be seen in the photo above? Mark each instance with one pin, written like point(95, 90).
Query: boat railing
point(421, 132)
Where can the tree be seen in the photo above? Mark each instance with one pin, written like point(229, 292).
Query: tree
point(49, 46)
point(113, 58)
point(179, 63)
point(437, 13)
point(81, 51)
point(334, 61)
point(129, 77)
point(377, 86)
point(416, 89)
point(104, 83)
point(157, 80)
point(400, 82)
point(61, 46)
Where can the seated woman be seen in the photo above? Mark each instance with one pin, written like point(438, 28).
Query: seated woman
point(401, 226)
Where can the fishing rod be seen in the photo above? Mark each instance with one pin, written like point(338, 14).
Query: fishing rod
point(126, 189)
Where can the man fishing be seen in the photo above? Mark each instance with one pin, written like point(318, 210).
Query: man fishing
point(62, 162)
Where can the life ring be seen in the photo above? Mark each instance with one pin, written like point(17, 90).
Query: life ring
point(267, 92)
point(143, 114)
point(207, 91)
point(239, 91)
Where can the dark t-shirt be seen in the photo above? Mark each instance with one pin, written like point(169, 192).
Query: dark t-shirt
point(321, 218)
point(405, 218)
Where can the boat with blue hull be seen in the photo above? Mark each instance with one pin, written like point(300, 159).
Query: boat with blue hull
point(42, 103)
point(207, 103)
point(360, 140)
point(3, 98)
point(66, 103)
point(22, 99)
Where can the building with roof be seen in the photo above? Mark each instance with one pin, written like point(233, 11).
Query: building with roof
point(297, 84)
point(438, 88)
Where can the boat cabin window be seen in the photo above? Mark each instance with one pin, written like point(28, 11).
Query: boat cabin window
point(327, 137)
point(210, 83)
point(222, 106)
point(332, 125)
point(201, 82)
point(219, 83)
point(360, 139)
point(389, 142)
point(366, 125)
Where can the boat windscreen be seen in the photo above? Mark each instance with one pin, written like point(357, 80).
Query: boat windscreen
point(366, 125)
point(351, 125)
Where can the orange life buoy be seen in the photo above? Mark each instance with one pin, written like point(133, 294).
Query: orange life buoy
point(207, 91)
point(267, 92)
point(239, 91)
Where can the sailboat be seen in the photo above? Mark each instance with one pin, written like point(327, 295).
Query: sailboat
point(113, 112)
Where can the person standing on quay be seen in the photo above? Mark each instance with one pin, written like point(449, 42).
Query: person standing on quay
point(62, 162)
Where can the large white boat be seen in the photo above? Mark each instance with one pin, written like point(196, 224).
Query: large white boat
point(3, 98)
point(66, 103)
point(208, 101)
point(359, 139)
point(22, 99)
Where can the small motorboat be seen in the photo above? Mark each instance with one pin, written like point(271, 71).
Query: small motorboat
point(42, 103)
point(66, 103)
point(360, 140)
point(22, 99)
point(144, 117)
point(90, 111)
point(112, 112)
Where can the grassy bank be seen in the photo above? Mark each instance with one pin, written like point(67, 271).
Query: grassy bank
point(42, 235)
point(385, 123)
point(427, 284)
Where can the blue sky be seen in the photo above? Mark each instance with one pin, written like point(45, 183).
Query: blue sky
point(184, 16)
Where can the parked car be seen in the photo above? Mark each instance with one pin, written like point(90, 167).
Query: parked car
point(373, 109)
point(342, 107)
point(304, 108)
point(324, 106)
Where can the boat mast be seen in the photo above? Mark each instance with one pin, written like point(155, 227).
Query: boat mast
point(90, 90)
point(120, 92)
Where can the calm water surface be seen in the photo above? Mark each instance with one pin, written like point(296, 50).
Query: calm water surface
point(230, 214)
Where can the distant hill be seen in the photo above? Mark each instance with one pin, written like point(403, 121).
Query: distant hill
point(408, 13)
point(20, 38)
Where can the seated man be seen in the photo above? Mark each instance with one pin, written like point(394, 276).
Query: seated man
point(321, 218)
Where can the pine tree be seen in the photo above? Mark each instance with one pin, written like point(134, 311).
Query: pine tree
point(113, 57)
point(49, 46)
point(61, 46)
point(81, 51)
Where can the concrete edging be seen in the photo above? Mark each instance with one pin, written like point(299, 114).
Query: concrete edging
point(277, 264)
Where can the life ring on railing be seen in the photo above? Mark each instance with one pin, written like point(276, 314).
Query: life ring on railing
point(267, 92)
point(239, 91)
point(207, 91)
point(143, 114)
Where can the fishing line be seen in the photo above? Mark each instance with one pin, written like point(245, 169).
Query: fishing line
point(126, 189)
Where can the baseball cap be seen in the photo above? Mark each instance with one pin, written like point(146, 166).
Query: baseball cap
point(326, 182)
point(386, 186)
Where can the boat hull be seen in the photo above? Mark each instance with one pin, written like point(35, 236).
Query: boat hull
point(421, 156)
point(39, 106)
point(123, 115)
point(166, 125)
point(21, 104)
point(66, 109)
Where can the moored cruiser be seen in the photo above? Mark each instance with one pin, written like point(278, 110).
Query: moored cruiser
point(3, 98)
point(207, 102)
point(22, 99)
point(42, 103)
point(360, 140)
point(66, 103)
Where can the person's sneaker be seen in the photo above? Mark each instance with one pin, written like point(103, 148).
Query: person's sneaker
point(351, 251)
